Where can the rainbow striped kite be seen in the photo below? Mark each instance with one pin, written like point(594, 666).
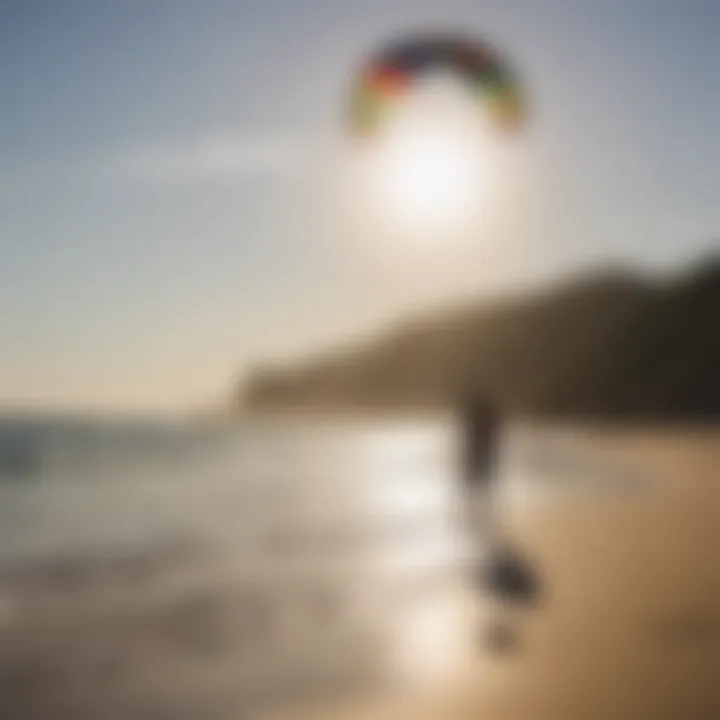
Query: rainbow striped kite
point(392, 73)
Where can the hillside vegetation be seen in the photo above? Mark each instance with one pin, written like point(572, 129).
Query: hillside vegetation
point(613, 344)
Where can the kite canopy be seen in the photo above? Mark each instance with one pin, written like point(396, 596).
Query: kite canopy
point(392, 73)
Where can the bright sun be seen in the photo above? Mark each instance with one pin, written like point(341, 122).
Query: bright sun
point(428, 178)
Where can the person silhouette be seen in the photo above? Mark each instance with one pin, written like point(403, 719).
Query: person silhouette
point(503, 571)
point(481, 435)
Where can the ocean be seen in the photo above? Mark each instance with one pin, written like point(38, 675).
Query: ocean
point(210, 569)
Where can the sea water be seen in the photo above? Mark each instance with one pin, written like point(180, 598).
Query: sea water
point(220, 567)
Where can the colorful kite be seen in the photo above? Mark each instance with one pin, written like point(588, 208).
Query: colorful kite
point(393, 72)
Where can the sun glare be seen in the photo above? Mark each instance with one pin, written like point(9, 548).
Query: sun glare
point(428, 180)
point(427, 173)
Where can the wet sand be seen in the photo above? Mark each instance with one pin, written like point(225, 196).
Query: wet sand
point(630, 625)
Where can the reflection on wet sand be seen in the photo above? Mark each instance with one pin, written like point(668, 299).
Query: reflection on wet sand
point(630, 627)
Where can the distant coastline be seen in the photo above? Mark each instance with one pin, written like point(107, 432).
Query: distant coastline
point(607, 346)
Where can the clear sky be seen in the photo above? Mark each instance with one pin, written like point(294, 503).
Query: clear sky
point(163, 177)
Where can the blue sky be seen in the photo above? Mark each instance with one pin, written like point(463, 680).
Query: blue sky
point(162, 166)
